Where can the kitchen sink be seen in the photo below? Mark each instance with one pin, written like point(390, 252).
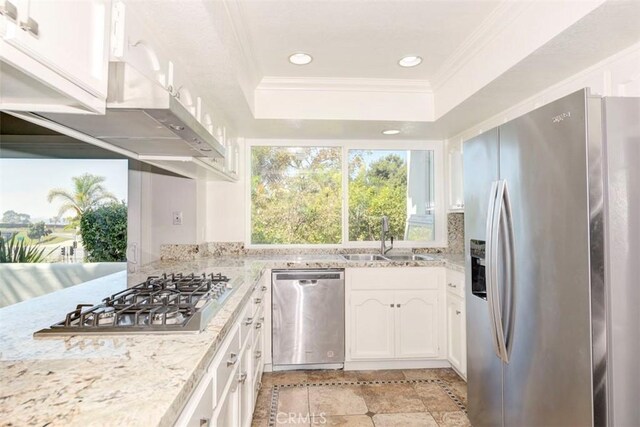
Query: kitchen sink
point(409, 257)
point(364, 257)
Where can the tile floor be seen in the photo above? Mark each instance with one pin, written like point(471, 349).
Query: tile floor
point(390, 398)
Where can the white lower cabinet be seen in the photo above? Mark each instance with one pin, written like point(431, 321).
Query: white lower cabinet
point(245, 384)
point(404, 321)
point(416, 315)
point(226, 413)
point(226, 396)
point(372, 325)
point(199, 410)
point(456, 322)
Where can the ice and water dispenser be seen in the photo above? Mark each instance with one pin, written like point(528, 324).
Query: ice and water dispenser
point(478, 278)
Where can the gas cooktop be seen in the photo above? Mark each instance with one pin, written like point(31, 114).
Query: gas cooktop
point(171, 303)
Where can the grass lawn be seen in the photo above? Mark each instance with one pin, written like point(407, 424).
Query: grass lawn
point(48, 240)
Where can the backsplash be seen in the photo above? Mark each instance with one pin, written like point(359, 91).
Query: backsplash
point(187, 252)
point(455, 228)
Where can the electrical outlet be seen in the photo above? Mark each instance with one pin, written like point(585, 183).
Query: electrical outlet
point(177, 218)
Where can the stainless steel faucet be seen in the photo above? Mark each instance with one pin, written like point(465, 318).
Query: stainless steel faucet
point(383, 236)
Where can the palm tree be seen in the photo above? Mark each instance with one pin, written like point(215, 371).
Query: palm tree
point(88, 193)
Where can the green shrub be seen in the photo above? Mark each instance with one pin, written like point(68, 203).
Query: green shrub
point(17, 251)
point(104, 233)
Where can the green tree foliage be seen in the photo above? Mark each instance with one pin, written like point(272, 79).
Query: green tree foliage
point(13, 217)
point(17, 251)
point(296, 195)
point(104, 233)
point(88, 193)
point(38, 230)
point(375, 190)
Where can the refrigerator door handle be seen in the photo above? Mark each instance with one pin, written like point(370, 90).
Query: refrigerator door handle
point(511, 273)
point(502, 218)
point(491, 265)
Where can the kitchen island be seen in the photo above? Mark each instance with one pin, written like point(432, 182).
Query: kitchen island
point(127, 380)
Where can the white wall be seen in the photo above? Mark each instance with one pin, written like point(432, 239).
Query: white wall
point(225, 205)
point(154, 195)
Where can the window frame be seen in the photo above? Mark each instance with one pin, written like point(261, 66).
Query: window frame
point(438, 185)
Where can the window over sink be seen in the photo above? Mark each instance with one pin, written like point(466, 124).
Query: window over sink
point(334, 193)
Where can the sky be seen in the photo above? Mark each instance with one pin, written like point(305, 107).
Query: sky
point(25, 183)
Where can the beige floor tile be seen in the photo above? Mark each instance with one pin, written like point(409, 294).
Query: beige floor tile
point(263, 403)
point(435, 398)
point(325, 376)
point(259, 422)
point(284, 378)
point(343, 421)
point(449, 375)
point(382, 375)
point(336, 400)
point(294, 400)
point(392, 398)
point(417, 419)
point(451, 419)
point(421, 374)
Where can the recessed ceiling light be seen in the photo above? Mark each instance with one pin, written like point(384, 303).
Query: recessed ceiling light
point(300, 58)
point(390, 132)
point(410, 61)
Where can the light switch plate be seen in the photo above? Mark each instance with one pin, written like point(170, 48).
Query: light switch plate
point(177, 218)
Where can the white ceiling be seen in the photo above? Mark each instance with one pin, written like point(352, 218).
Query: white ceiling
point(231, 47)
point(359, 38)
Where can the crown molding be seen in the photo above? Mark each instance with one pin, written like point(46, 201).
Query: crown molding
point(344, 84)
point(242, 37)
point(498, 21)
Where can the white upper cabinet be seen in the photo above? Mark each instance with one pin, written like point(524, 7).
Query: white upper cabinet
point(62, 50)
point(455, 176)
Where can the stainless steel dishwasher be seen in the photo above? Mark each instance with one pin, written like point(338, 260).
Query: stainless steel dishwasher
point(307, 318)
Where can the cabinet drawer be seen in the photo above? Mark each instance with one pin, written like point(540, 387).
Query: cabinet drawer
point(258, 356)
point(225, 362)
point(247, 320)
point(455, 282)
point(392, 278)
point(258, 296)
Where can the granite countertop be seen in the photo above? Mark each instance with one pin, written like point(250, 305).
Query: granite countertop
point(126, 380)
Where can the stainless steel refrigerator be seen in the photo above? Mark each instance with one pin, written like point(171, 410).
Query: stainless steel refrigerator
point(552, 214)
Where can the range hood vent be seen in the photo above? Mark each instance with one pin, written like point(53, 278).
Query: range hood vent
point(143, 117)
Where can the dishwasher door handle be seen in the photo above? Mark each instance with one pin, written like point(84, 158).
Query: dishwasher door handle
point(310, 282)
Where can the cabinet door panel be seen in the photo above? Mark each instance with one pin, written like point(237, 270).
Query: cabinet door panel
point(455, 330)
point(417, 324)
point(245, 385)
point(227, 412)
point(71, 39)
point(372, 325)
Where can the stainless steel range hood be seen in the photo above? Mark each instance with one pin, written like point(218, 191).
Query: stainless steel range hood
point(143, 117)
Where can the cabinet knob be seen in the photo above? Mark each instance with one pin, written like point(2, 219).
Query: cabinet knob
point(9, 10)
point(258, 325)
point(205, 422)
point(248, 321)
point(233, 358)
point(258, 354)
point(392, 305)
point(264, 288)
point(242, 378)
point(30, 26)
point(451, 285)
point(458, 312)
point(398, 305)
point(257, 300)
